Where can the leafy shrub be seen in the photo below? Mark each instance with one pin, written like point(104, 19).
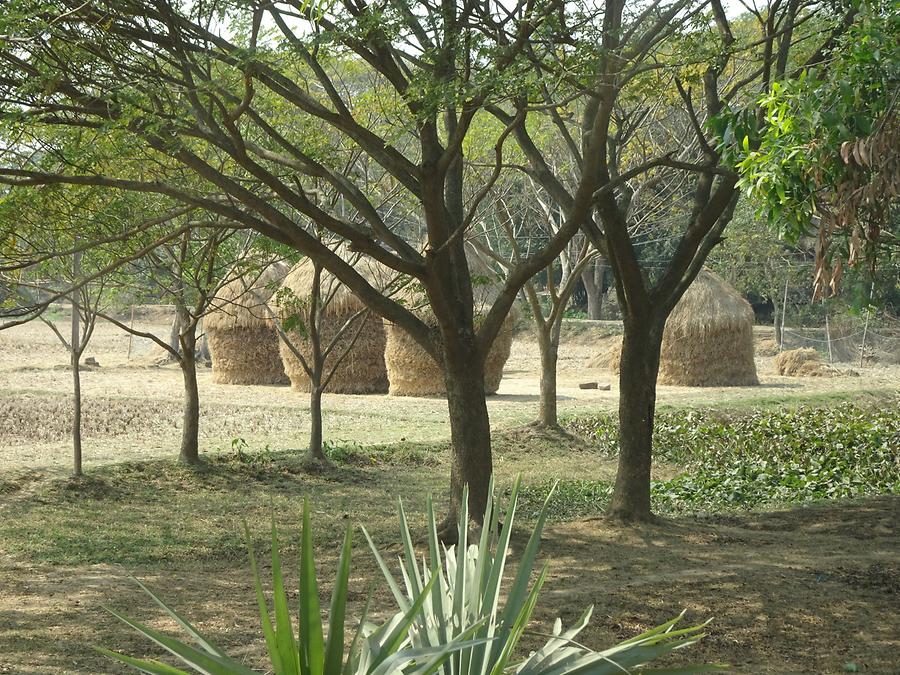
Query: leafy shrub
point(754, 459)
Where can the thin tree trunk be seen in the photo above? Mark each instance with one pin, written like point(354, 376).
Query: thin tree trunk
point(315, 422)
point(548, 415)
point(190, 432)
point(470, 433)
point(76, 416)
point(175, 332)
point(783, 313)
point(638, 372)
point(76, 348)
point(203, 351)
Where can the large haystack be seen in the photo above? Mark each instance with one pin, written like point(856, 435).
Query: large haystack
point(243, 343)
point(362, 369)
point(708, 340)
point(803, 362)
point(412, 372)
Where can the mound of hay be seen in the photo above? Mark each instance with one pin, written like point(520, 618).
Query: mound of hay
point(362, 369)
point(609, 352)
point(243, 342)
point(412, 372)
point(708, 339)
point(766, 347)
point(803, 362)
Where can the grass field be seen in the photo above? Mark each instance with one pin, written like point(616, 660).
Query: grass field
point(791, 588)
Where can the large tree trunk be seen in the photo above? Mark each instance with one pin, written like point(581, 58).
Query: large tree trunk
point(470, 433)
point(638, 372)
point(548, 415)
point(190, 431)
point(315, 422)
point(592, 278)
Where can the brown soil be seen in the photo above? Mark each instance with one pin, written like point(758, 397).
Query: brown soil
point(808, 590)
point(133, 407)
point(801, 591)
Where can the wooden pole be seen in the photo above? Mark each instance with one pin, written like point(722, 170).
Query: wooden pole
point(130, 334)
point(828, 337)
point(862, 347)
point(784, 310)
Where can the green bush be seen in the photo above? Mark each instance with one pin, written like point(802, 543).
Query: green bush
point(752, 459)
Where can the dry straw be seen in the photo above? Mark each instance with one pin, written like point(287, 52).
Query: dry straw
point(243, 342)
point(412, 372)
point(708, 339)
point(362, 369)
point(803, 362)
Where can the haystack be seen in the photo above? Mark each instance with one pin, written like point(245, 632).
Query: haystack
point(362, 369)
point(708, 339)
point(803, 362)
point(243, 342)
point(609, 351)
point(412, 372)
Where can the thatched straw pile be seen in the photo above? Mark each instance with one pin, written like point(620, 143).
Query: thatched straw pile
point(803, 362)
point(609, 352)
point(362, 369)
point(412, 372)
point(243, 343)
point(708, 340)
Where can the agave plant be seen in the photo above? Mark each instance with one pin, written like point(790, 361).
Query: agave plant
point(455, 592)
point(450, 621)
point(374, 650)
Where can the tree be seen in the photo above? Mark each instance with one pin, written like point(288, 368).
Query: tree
point(519, 229)
point(71, 278)
point(657, 52)
point(266, 117)
point(307, 319)
point(188, 272)
point(827, 159)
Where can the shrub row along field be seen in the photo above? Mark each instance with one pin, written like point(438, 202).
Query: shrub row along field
point(755, 459)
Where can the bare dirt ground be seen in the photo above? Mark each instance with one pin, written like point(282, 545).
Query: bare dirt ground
point(132, 408)
point(810, 590)
point(806, 590)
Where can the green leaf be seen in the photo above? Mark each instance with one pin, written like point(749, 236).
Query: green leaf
point(312, 648)
point(334, 648)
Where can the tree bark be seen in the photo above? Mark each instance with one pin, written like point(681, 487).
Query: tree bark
point(190, 431)
point(775, 322)
point(592, 278)
point(638, 372)
point(315, 422)
point(76, 350)
point(548, 414)
point(470, 433)
point(76, 416)
point(175, 332)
